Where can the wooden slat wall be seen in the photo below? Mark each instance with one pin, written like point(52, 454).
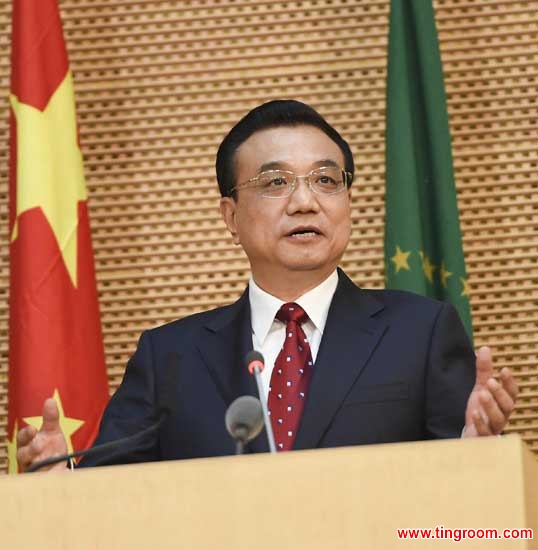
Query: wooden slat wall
point(159, 83)
point(490, 55)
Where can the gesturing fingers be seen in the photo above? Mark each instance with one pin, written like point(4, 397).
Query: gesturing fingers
point(497, 401)
point(25, 436)
point(28, 446)
point(480, 425)
point(502, 396)
point(51, 416)
point(484, 366)
point(509, 383)
point(496, 418)
point(497, 404)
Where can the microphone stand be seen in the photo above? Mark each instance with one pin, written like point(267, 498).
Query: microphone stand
point(240, 435)
point(266, 419)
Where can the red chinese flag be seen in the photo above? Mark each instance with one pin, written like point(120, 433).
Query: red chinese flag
point(55, 340)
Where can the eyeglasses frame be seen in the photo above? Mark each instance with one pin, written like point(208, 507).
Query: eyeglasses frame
point(252, 182)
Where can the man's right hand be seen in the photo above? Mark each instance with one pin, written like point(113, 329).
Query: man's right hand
point(49, 441)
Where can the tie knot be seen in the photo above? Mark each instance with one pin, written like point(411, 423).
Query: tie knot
point(292, 312)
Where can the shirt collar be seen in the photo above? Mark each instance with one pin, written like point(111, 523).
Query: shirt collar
point(264, 306)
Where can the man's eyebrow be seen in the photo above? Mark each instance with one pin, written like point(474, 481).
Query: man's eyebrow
point(281, 165)
point(326, 162)
point(273, 165)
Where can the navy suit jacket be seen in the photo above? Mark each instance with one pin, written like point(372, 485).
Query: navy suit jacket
point(392, 366)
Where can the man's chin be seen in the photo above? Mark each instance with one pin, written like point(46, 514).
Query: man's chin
point(298, 264)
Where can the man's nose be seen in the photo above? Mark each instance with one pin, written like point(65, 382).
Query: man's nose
point(302, 198)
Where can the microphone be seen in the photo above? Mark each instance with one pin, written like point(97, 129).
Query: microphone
point(113, 448)
point(244, 420)
point(255, 365)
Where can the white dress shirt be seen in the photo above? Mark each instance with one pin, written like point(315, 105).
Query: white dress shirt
point(268, 333)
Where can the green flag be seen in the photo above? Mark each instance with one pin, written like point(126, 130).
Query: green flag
point(423, 247)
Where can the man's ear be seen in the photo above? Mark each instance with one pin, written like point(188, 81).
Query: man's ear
point(227, 211)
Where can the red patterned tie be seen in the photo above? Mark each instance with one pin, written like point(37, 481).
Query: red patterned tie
point(290, 377)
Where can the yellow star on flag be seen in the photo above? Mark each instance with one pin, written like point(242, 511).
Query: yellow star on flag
point(68, 425)
point(427, 266)
point(466, 290)
point(400, 259)
point(12, 467)
point(444, 274)
point(49, 167)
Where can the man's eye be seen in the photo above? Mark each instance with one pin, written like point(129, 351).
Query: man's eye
point(277, 182)
point(326, 181)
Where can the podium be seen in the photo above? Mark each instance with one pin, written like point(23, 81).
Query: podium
point(330, 499)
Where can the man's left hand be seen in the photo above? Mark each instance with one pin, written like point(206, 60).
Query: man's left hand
point(492, 401)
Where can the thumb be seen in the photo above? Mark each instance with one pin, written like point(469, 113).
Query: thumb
point(484, 366)
point(51, 416)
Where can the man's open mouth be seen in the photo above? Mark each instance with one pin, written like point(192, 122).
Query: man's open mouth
point(303, 232)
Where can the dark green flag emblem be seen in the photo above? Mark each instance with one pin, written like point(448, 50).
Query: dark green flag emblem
point(423, 245)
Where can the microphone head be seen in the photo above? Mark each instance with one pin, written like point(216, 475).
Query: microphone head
point(254, 359)
point(244, 418)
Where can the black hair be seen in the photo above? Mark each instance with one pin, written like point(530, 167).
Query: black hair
point(281, 112)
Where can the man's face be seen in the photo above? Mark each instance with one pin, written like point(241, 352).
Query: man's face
point(304, 232)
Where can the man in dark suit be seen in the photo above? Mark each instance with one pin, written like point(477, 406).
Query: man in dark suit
point(370, 367)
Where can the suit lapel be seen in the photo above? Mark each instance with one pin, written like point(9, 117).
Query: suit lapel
point(350, 336)
point(224, 344)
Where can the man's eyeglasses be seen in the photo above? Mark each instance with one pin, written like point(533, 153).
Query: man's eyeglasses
point(328, 180)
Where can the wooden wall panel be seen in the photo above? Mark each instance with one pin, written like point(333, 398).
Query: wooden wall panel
point(490, 55)
point(158, 84)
